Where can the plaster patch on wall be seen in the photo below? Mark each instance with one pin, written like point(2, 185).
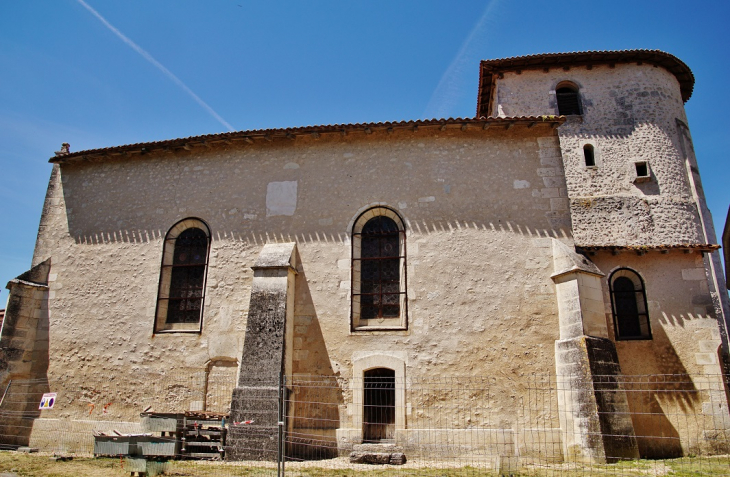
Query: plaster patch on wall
point(281, 198)
point(518, 184)
point(291, 165)
point(693, 274)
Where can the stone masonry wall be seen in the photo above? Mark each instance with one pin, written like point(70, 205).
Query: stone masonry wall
point(685, 341)
point(629, 114)
point(478, 213)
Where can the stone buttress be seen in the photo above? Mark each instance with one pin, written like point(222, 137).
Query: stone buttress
point(594, 412)
point(254, 421)
point(24, 354)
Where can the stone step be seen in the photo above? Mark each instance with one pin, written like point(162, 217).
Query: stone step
point(385, 447)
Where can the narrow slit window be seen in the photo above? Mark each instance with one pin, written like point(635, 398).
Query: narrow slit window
point(589, 155)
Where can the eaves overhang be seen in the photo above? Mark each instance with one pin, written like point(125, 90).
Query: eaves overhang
point(291, 134)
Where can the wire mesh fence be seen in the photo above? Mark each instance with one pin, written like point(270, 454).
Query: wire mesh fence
point(330, 425)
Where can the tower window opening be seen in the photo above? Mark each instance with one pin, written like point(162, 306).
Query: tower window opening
point(589, 155)
point(568, 101)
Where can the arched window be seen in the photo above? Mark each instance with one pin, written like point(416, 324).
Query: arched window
point(568, 100)
point(182, 277)
point(379, 270)
point(589, 155)
point(628, 301)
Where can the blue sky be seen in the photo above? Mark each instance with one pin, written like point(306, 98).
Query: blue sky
point(175, 68)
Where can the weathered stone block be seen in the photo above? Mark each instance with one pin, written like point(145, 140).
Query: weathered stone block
point(377, 458)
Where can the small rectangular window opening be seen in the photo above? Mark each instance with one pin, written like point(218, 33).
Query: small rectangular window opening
point(589, 156)
point(642, 172)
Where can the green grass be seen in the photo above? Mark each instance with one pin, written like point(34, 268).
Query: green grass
point(32, 465)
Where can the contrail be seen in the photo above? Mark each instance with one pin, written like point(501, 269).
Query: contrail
point(157, 65)
point(451, 84)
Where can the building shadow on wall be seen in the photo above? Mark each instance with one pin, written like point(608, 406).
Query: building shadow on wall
point(93, 236)
point(664, 399)
point(315, 391)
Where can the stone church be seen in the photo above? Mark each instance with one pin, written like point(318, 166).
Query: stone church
point(562, 231)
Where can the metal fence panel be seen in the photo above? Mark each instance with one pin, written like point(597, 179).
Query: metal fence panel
point(331, 425)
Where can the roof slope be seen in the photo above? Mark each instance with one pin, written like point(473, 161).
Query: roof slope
point(269, 135)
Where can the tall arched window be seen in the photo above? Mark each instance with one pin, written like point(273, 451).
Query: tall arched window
point(182, 277)
point(628, 301)
point(379, 297)
point(568, 100)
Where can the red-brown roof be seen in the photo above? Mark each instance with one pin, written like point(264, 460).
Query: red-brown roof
point(489, 68)
point(292, 133)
